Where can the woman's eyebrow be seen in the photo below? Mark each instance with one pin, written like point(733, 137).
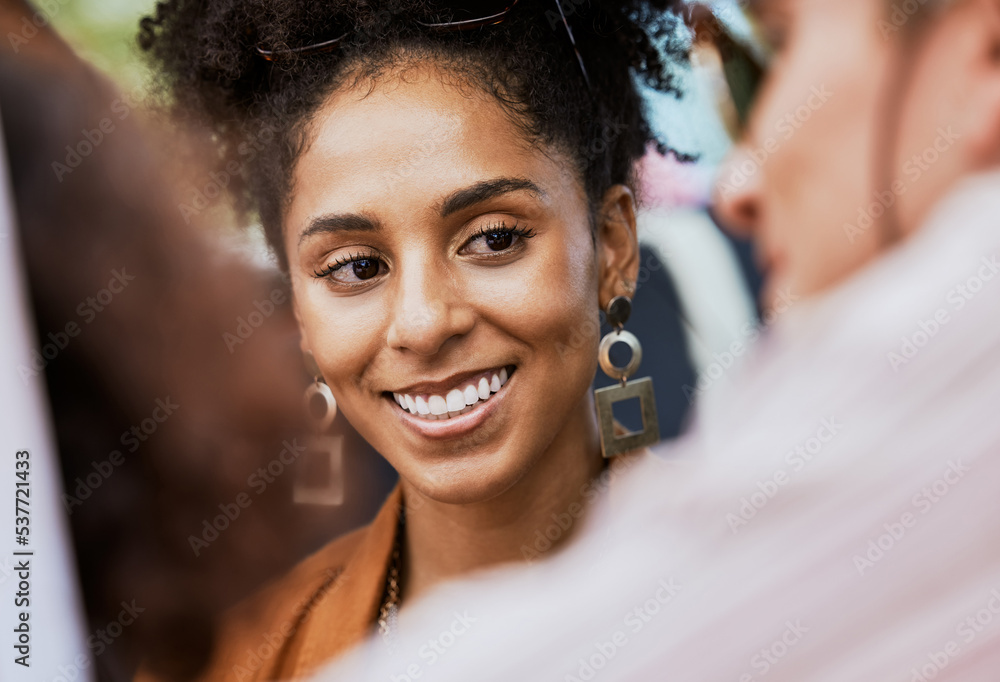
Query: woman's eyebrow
point(326, 224)
point(485, 190)
point(456, 201)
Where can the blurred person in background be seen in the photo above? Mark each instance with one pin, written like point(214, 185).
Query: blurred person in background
point(450, 188)
point(833, 513)
point(161, 430)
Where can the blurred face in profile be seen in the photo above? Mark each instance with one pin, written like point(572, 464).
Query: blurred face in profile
point(869, 114)
point(447, 282)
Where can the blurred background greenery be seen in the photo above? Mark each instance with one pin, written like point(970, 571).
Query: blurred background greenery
point(103, 32)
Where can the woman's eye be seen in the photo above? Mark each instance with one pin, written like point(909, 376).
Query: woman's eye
point(492, 240)
point(498, 241)
point(366, 268)
point(353, 270)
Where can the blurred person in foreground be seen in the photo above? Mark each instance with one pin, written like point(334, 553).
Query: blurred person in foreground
point(833, 514)
point(157, 424)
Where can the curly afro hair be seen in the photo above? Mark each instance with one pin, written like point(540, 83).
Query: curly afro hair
point(206, 55)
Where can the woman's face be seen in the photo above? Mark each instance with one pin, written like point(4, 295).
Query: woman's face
point(435, 254)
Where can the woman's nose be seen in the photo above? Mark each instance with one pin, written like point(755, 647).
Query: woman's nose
point(736, 197)
point(428, 310)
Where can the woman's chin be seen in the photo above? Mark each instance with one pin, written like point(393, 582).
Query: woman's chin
point(469, 480)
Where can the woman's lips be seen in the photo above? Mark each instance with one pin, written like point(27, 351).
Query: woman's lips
point(455, 420)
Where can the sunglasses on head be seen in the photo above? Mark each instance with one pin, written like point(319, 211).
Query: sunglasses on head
point(444, 17)
point(744, 66)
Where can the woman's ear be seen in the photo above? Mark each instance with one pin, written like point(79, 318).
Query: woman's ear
point(617, 245)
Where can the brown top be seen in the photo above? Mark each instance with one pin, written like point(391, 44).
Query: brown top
point(321, 608)
point(325, 605)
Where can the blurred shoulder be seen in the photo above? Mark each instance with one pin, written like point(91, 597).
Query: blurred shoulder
point(320, 607)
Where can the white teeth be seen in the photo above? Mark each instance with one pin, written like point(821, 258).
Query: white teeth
point(437, 405)
point(471, 396)
point(456, 400)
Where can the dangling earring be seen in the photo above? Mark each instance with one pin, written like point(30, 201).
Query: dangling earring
point(618, 313)
point(320, 404)
point(323, 451)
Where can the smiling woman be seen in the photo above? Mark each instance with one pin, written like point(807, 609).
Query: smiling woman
point(453, 215)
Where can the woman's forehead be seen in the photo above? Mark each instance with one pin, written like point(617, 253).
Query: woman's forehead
point(413, 139)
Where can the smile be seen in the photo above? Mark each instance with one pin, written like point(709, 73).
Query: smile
point(461, 399)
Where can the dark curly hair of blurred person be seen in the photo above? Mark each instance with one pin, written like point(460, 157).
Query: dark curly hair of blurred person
point(161, 338)
point(206, 56)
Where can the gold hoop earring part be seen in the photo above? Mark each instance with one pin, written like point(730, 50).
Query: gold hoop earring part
point(320, 404)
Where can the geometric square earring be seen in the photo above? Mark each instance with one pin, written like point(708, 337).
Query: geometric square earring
point(618, 312)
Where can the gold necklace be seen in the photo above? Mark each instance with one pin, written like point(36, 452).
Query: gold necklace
point(389, 611)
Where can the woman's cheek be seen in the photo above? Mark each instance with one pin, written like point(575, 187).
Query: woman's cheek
point(339, 343)
point(573, 288)
point(566, 317)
